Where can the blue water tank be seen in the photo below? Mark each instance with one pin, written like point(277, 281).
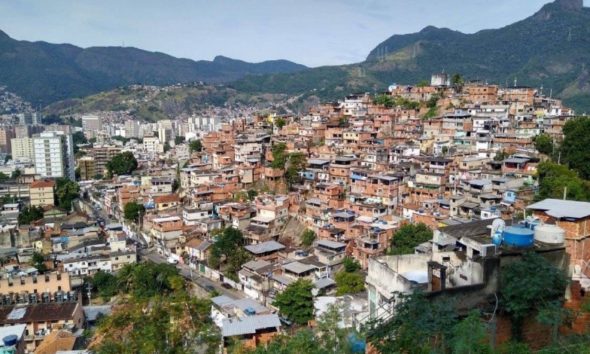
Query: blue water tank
point(10, 340)
point(497, 238)
point(518, 236)
point(357, 345)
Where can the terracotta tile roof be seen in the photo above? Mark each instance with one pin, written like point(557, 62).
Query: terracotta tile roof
point(42, 183)
point(56, 341)
point(170, 198)
point(37, 313)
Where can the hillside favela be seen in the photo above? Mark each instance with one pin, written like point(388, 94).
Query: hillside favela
point(336, 189)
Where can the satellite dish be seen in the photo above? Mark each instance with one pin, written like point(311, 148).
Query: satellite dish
point(498, 224)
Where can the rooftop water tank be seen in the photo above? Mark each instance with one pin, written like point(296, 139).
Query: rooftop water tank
point(518, 236)
point(550, 234)
point(10, 340)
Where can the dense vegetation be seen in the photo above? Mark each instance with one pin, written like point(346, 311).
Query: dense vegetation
point(326, 338)
point(155, 313)
point(530, 288)
point(132, 211)
point(574, 148)
point(293, 163)
point(43, 73)
point(228, 250)
point(195, 146)
point(408, 237)
point(122, 164)
point(296, 302)
point(65, 193)
point(30, 214)
point(571, 178)
point(308, 237)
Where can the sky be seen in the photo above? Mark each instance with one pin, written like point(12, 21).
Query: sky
point(310, 32)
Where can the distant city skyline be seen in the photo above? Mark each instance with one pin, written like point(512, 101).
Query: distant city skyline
point(313, 33)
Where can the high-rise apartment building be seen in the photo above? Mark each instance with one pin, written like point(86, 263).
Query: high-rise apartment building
point(6, 134)
point(91, 125)
point(54, 155)
point(22, 148)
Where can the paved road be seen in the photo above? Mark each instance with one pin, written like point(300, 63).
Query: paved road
point(152, 255)
point(197, 279)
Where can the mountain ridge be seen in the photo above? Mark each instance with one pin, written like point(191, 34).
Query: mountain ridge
point(550, 48)
point(43, 72)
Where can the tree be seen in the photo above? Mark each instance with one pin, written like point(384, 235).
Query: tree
point(296, 302)
point(423, 83)
point(106, 284)
point(351, 265)
point(145, 280)
point(501, 156)
point(38, 261)
point(3, 177)
point(384, 100)
point(308, 237)
point(65, 192)
point(408, 237)
point(122, 164)
point(457, 80)
point(195, 146)
point(544, 144)
point(331, 337)
point(179, 140)
point(418, 325)
point(228, 247)
point(15, 174)
point(303, 341)
point(556, 179)
point(132, 211)
point(162, 323)
point(279, 155)
point(78, 138)
point(527, 286)
point(252, 194)
point(7, 199)
point(574, 148)
point(349, 283)
point(553, 315)
point(280, 122)
point(295, 164)
point(470, 336)
point(30, 214)
point(234, 263)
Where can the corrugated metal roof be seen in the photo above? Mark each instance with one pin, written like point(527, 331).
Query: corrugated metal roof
point(249, 325)
point(222, 300)
point(255, 265)
point(298, 267)
point(558, 208)
point(331, 244)
point(264, 247)
point(324, 283)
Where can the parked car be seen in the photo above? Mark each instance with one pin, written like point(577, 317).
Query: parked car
point(210, 288)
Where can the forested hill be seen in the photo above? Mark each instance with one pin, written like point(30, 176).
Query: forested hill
point(551, 48)
point(43, 73)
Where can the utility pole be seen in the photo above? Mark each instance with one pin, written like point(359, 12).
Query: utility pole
point(89, 288)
